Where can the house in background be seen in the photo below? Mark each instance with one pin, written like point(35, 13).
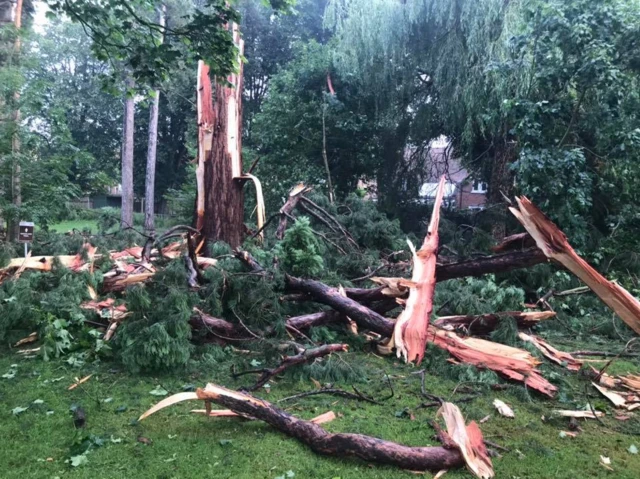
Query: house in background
point(461, 190)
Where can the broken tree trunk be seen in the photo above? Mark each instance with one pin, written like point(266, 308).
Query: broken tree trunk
point(482, 324)
point(553, 242)
point(410, 332)
point(322, 442)
point(220, 203)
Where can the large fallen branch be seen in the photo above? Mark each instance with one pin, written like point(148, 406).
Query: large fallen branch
point(410, 331)
point(320, 292)
point(554, 244)
point(370, 449)
point(482, 324)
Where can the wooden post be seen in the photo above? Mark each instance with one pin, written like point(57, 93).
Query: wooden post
point(220, 202)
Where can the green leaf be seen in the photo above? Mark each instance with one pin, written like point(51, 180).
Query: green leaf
point(107, 400)
point(255, 363)
point(290, 474)
point(38, 401)
point(159, 391)
point(225, 442)
point(633, 449)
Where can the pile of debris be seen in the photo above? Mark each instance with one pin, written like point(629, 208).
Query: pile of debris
point(363, 310)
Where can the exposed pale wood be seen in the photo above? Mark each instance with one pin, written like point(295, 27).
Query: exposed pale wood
point(294, 196)
point(554, 244)
point(410, 331)
point(560, 357)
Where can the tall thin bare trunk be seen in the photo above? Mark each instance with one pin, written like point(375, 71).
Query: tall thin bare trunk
point(126, 217)
point(150, 179)
point(16, 173)
point(324, 152)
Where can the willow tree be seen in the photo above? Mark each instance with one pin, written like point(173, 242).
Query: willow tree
point(426, 61)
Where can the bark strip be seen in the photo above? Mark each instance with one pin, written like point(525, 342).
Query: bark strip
point(482, 324)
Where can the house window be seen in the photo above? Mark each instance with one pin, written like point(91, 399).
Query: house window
point(479, 187)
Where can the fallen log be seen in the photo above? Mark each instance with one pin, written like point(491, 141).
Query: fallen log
point(518, 241)
point(554, 244)
point(218, 327)
point(500, 263)
point(305, 356)
point(347, 445)
point(482, 324)
point(321, 293)
point(410, 330)
point(306, 321)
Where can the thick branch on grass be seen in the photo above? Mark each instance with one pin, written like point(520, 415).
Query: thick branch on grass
point(554, 244)
point(481, 324)
point(294, 196)
point(321, 293)
point(322, 442)
point(306, 356)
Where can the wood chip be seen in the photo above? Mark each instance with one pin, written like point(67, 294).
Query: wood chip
point(503, 408)
point(79, 382)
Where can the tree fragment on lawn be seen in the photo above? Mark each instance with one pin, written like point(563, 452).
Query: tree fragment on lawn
point(555, 355)
point(468, 439)
point(482, 324)
point(554, 244)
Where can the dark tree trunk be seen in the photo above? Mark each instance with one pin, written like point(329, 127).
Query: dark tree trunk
point(220, 203)
point(126, 216)
point(501, 183)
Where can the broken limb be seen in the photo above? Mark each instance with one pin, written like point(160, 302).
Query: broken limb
point(410, 330)
point(321, 293)
point(554, 244)
point(322, 442)
point(358, 396)
point(306, 356)
point(306, 321)
point(558, 357)
point(250, 261)
point(482, 324)
point(294, 196)
point(219, 328)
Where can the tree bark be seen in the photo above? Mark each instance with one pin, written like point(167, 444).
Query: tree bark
point(363, 316)
point(482, 324)
point(16, 173)
point(501, 183)
point(368, 448)
point(220, 203)
point(126, 215)
point(150, 179)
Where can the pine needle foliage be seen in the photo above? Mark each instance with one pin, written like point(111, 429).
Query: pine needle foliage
point(301, 250)
point(477, 296)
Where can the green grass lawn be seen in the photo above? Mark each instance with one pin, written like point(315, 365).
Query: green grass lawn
point(37, 442)
point(65, 226)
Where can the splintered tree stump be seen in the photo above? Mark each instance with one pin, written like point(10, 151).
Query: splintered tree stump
point(410, 330)
point(219, 200)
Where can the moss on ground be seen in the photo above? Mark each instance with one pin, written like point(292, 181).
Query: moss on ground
point(36, 442)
